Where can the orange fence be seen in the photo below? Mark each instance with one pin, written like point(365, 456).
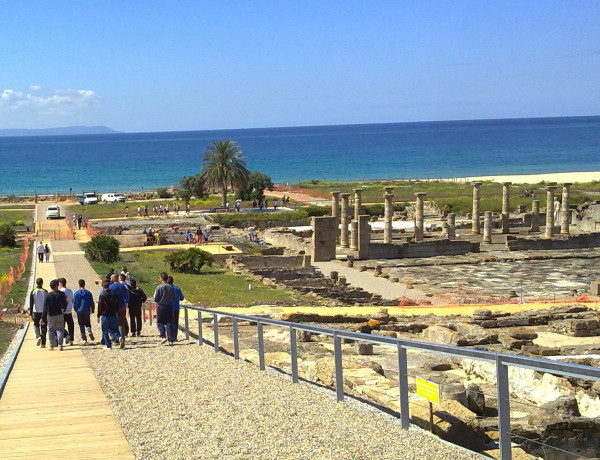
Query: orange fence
point(90, 230)
point(14, 273)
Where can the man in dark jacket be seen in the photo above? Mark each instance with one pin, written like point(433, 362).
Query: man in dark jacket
point(164, 296)
point(108, 306)
point(136, 298)
point(55, 305)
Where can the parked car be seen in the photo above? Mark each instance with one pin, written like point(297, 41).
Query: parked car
point(53, 212)
point(112, 198)
point(88, 198)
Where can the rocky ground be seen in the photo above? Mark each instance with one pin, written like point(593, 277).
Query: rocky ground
point(186, 402)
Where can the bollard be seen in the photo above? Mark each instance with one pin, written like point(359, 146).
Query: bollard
point(187, 324)
point(261, 346)
point(216, 332)
point(403, 387)
point(339, 378)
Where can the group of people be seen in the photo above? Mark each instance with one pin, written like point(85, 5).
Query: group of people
point(52, 311)
point(76, 222)
point(196, 237)
point(43, 252)
point(260, 204)
point(160, 210)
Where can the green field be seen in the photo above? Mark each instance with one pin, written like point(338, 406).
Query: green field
point(213, 287)
point(11, 216)
point(7, 333)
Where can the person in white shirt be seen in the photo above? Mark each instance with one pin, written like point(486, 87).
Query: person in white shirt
point(41, 250)
point(68, 314)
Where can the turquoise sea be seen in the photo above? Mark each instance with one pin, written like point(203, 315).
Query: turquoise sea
point(450, 149)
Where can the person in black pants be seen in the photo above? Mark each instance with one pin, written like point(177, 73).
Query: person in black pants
point(136, 298)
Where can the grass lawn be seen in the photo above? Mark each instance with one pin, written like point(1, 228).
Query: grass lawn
point(7, 333)
point(110, 210)
point(10, 217)
point(19, 289)
point(213, 287)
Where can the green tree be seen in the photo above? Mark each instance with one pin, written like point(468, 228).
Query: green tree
point(257, 184)
point(7, 236)
point(192, 186)
point(223, 167)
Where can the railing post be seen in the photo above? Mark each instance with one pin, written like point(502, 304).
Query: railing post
point(144, 311)
point(187, 324)
point(199, 327)
point(503, 409)
point(236, 343)
point(339, 377)
point(403, 387)
point(294, 353)
point(216, 332)
point(150, 312)
point(261, 346)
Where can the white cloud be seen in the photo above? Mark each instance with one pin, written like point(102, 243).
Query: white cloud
point(47, 109)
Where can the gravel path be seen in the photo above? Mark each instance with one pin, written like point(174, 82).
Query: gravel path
point(187, 402)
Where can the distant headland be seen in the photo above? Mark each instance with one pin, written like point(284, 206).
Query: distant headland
point(64, 131)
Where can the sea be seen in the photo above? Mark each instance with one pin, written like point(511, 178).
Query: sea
point(125, 162)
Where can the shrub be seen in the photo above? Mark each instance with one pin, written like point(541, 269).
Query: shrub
point(163, 193)
point(103, 248)
point(189, 260)
point(7, 235)
point(19, 223)
point(316, 211)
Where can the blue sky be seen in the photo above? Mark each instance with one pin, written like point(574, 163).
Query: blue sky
point(187, 65)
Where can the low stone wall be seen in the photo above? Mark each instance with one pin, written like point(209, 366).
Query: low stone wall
point(254, 262)
point(421, 249)
point(590, 240)
point(270, 223)
point(287, 239)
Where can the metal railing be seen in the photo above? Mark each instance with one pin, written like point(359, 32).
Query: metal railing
point(502, 361)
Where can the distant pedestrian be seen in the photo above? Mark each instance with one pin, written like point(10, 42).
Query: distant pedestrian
point(139, 211)
point(47, 252)
point(36, 309)
point(275, 205)
point(154, 210)
point(178, 297)
point(199, 236)
point(119, 287)
point(238, 205)
point(287, 202)
point(145, 211)
point(79, 221)
point(253, 204)
point(41, 250)
point(108, 306)
point(187, 208)
point(70, 324)
point(136, 298)
point(55, 305)
point(266, 204)
point(126, 211)
point(251, 234)
point(83, 304)
point(164, 296)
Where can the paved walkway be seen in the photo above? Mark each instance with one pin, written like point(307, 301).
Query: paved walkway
point(368, 281)
point(53, 405)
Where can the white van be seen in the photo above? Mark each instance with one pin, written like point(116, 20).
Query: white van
point(112, 198)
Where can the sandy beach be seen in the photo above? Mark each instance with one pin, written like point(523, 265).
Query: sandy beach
point(573, 177)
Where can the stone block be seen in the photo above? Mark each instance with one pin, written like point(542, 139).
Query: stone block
point(341, 281)
point(595, 288)
point(475, 399)
point(523, 334)
point(364, 348)
point(303, 336)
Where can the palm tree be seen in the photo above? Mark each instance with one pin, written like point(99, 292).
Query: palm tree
point(223, 167)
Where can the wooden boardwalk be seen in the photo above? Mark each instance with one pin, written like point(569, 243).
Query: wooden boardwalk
point(53, 406)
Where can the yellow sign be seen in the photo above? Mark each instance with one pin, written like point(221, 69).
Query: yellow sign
point(428, 390)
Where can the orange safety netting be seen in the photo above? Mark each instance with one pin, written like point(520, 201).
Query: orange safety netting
point(14, 273)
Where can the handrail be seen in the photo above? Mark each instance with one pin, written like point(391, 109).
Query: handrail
point(501, 360)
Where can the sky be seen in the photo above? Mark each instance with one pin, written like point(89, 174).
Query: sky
point(145, 65)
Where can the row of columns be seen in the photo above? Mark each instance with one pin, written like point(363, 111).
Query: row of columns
point(564, 214)
point(343, 218)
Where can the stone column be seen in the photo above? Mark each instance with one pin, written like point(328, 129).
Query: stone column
point(451, 220)
point(387, 217)
point(344, 220)
point(419, 226)
point(535, 216)
point(354, 234)
point(506, 207)
point(335, 208)
point(323, 238)
point(357, 202)
point(476, 226)
point(487, 228)
point(550, 211)
point(565, 212)
point(364, 237)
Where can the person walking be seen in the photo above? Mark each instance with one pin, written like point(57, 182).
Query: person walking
point(47, 252)
point(41, 250)
point(164, 296)
point(83, 304)
point(120, 289)
point(70, 335)
point(136, 298)
point(178, 297)
point(139, 211)
point(36, 309)
point(53, 315)
point(108, 306)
